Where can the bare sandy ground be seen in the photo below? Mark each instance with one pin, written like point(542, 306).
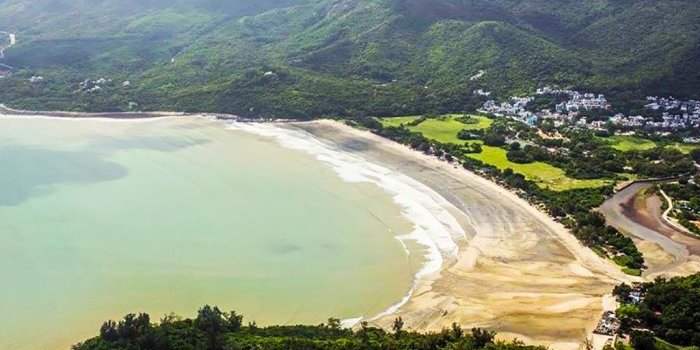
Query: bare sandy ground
point(668, 252)
point(518, 272)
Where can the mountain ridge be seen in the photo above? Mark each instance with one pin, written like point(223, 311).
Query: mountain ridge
point(414, 54)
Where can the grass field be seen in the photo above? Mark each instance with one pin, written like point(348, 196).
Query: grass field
point(545, 175)
point(397, 121)
point(684, 147)
point(633, 143)
point(629, 143)
point(444, 130)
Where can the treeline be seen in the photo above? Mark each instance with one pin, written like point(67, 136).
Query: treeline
point(669, 309)
point(572, 207)
point(686, 197)
point(583, 155)
point(213, 329)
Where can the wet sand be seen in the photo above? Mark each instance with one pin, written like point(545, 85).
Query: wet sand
point(667, 250)
point(64, 114)
point(517, 272)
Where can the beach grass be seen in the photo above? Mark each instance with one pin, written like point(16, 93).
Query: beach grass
point(545, 175)
point(632, 272)
point(443, 129)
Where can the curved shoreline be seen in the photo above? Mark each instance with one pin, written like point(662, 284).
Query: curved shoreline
point(4, 110)
point(433, 226)
point(518, 272)
point(516, 266)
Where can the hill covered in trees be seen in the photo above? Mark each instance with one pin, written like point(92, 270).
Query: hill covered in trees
point(305, 58)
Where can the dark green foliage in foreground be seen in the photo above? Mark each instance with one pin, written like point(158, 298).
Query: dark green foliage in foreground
point(216, 330)
point(642, 340)
point(670, 309)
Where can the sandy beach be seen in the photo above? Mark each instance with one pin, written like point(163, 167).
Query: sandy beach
point(5, 110)
point(512, 268)
point(517, 271)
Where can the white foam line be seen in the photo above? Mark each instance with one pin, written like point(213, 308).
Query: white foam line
point(83, 119)
point(433, 225)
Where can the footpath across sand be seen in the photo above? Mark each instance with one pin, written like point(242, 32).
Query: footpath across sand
point(517, 272)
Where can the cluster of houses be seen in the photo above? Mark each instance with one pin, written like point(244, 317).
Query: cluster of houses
point(667, 121)
point(566, 112)
point(609, 324)
point(515, 108)
point(670, 114)
point(665, 113)
point(90, 86)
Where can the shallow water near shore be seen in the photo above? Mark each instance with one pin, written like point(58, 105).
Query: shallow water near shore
point(100, 218)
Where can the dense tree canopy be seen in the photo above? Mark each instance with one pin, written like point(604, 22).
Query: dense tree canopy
point(216, 330)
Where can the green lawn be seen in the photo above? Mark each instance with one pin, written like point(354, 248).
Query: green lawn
point(444, 130)
point(397, 121)
point(664, 345)
point(544, 174)
point(629, 143)
point(633, 143)
point(684, 147)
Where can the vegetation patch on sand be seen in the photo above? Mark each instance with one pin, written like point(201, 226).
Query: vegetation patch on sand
point(444, 128)
point(546, 175)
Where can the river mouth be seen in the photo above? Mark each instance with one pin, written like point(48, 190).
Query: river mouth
point(99, 218)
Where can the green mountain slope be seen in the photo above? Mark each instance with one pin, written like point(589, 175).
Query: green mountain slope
point(306, 58)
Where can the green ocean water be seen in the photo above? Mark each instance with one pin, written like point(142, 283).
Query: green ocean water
point(102, 218)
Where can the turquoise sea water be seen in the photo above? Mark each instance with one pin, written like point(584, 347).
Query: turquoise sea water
point(101, 218)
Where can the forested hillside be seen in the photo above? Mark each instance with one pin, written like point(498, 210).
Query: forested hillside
point(306, 58)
